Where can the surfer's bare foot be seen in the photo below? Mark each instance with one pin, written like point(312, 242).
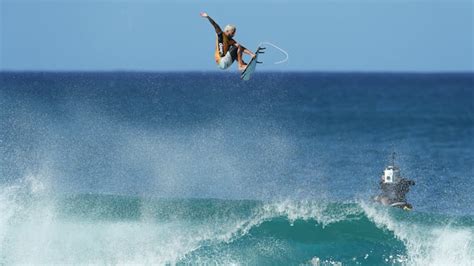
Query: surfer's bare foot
point(242, 67)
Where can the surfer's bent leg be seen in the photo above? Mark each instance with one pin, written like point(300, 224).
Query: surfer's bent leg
point(229, 58)
point(242, 64)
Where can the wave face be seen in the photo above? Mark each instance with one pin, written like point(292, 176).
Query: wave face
point(185, 168)
point(37, 228)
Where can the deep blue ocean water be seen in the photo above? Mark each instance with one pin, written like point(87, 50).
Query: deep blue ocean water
point(178, 168)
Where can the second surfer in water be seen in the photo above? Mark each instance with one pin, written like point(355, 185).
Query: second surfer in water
point(227, 49)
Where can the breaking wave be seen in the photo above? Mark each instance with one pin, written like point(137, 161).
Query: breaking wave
point(36, 228)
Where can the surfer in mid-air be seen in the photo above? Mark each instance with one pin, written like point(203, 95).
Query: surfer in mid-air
point(227, 49)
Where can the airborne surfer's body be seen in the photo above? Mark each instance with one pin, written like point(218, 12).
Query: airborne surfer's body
point(227, 49)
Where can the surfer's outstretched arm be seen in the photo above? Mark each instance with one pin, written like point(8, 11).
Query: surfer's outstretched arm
point(214, 24)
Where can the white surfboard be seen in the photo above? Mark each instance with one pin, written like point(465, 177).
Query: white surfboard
point(252, 65)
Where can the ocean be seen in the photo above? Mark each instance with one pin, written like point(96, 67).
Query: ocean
point(202, 168)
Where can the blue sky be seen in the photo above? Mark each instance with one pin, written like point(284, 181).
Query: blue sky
point(337, 35)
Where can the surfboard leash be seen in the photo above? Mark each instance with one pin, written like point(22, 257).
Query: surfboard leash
point(279, 49)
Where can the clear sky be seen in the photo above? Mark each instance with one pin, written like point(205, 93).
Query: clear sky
point(154, 35)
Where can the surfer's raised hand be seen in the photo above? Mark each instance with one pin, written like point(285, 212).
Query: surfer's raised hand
point(214, 24)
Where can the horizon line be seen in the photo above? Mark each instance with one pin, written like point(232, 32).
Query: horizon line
point(234, 72)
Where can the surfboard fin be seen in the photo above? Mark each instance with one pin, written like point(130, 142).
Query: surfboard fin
point(258, 62)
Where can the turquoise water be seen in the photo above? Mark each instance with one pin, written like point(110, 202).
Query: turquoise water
point(195, 168)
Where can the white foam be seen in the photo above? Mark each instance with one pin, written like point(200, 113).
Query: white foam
point(427, 244)
point(32, 233)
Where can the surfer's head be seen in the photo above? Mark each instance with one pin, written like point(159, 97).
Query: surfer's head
point(229, 30)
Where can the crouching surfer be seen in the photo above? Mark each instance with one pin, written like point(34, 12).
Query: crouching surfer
point(394, 187)
point(227, 49)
